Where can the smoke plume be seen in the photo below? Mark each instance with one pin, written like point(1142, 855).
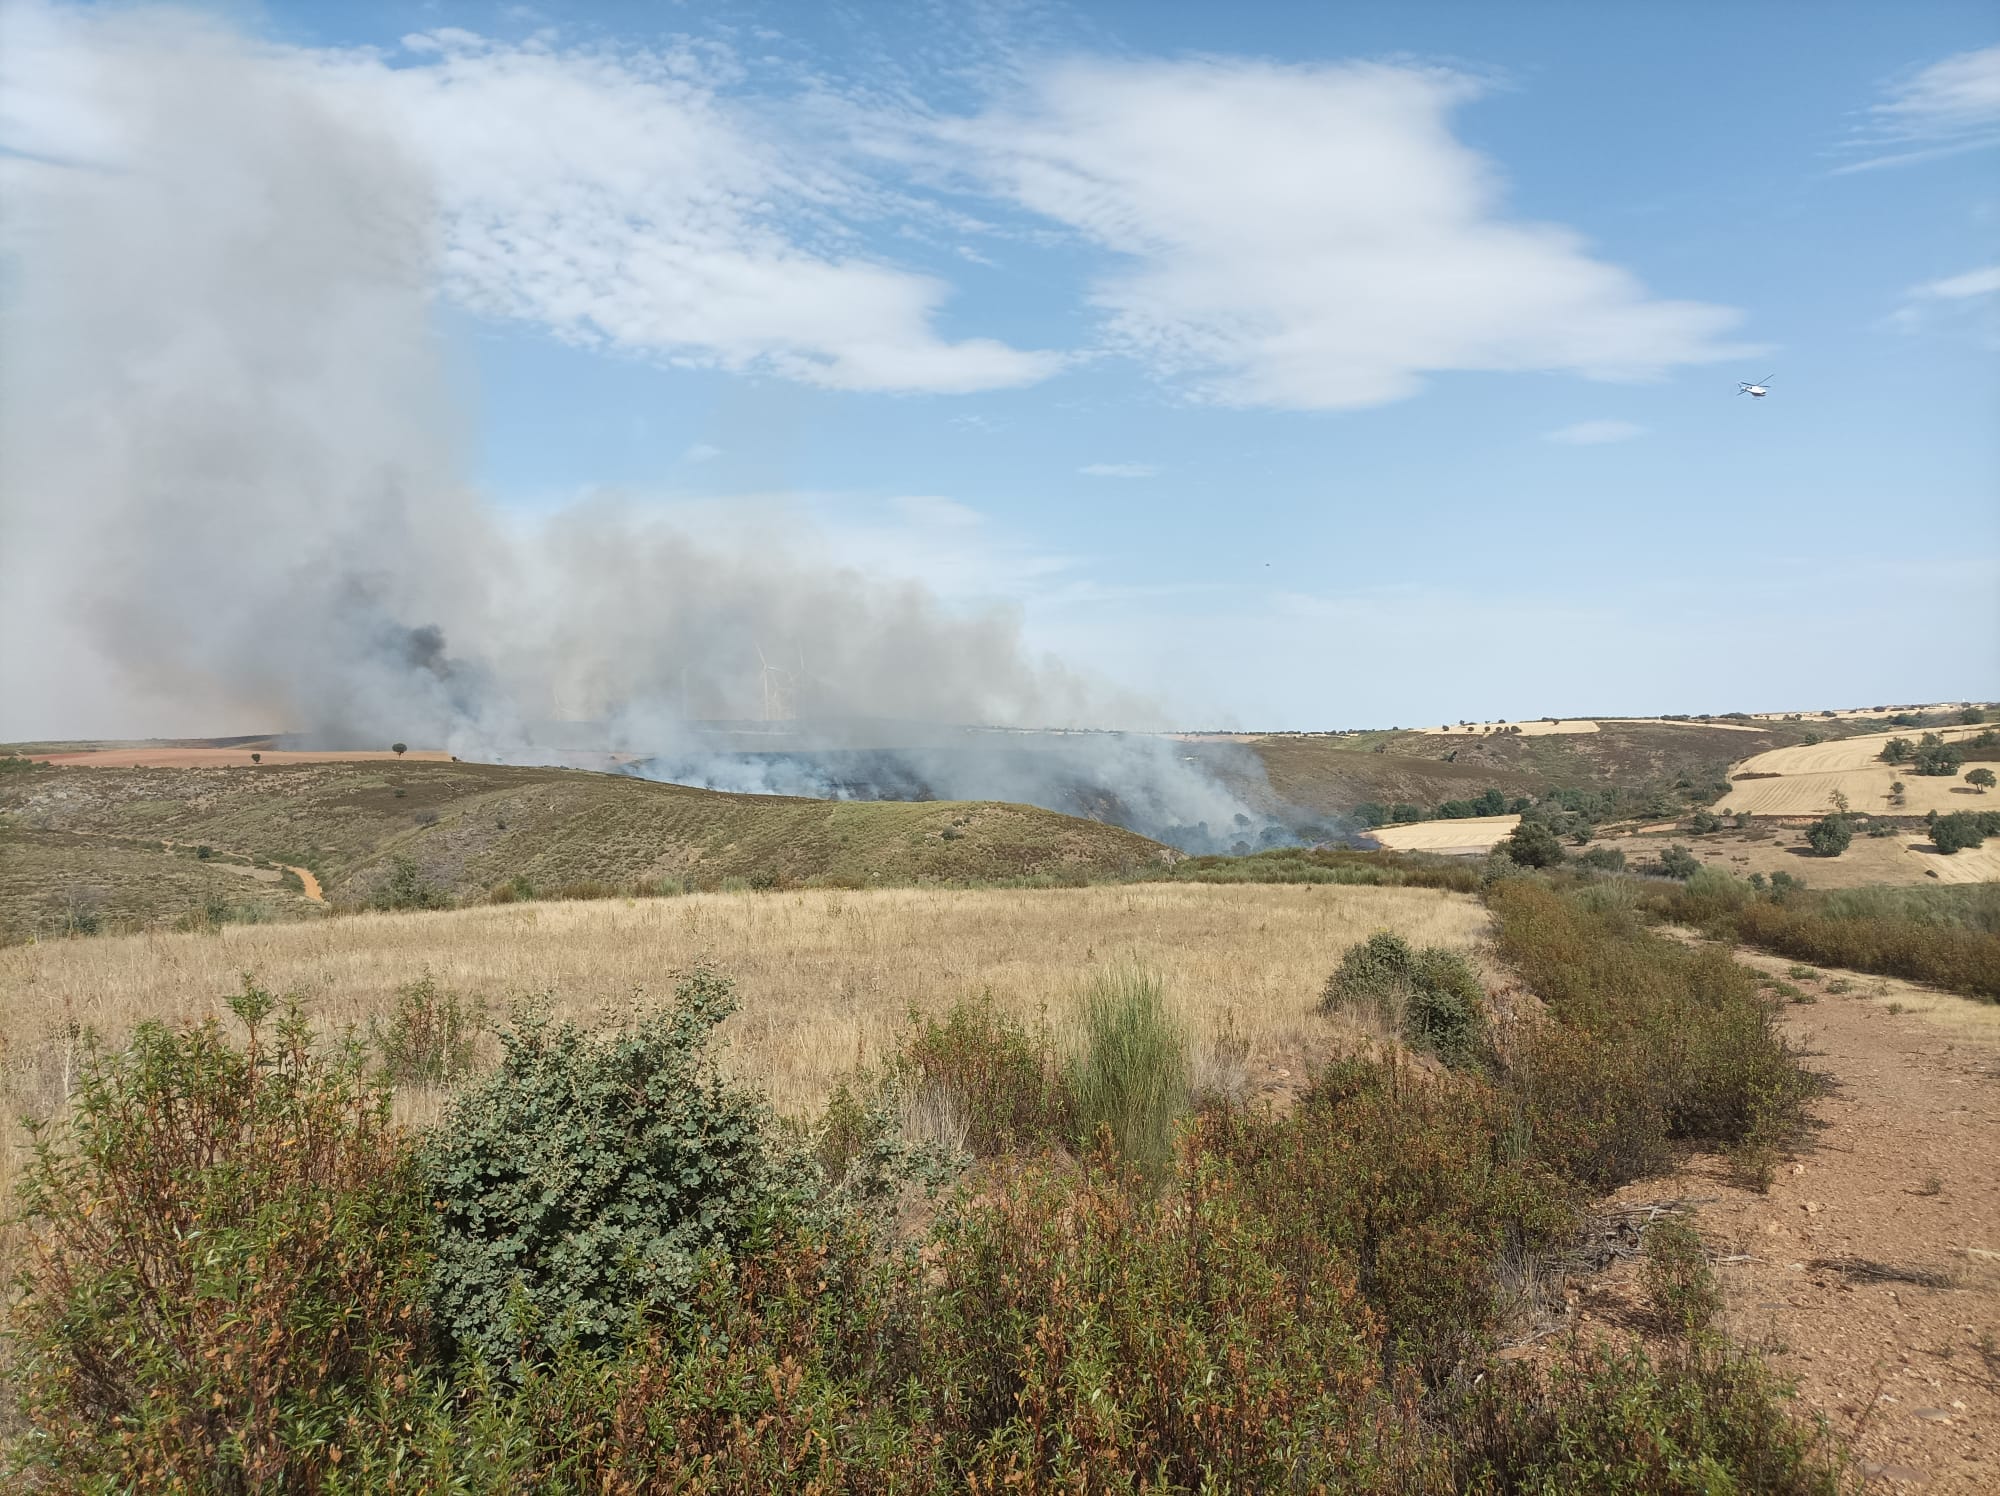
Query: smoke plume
point(231, 491)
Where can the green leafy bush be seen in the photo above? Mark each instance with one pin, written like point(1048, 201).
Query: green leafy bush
point(1431, 996)
point(1603, 859)
point(581, 1187)
point(1830, 835)
point(1533, 844)
point(1980, 779)
point(1678, 862)
point(430, 1036)
point(229, 1267)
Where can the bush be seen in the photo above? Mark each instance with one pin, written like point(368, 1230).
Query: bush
point(1131, 1074)
point(999, 1081)
point(430, 1035)
point(1431, 996)
point(1609, 1419)
point(1678, 862)
point(1936, 758)
point(581, 1188)
point(229, 1262)
point(1897, 751)
point(1603, 860)
point(1830, 835)
point(1964, 828)
point(406, 887)
point(1980, 779)
point(1532, 844)
point(1679, 1282)
point(1704, 822)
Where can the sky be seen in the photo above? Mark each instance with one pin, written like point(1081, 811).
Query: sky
point(1296, 366)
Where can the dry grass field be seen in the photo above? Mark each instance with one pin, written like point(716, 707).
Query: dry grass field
point(1471, 834)
point(170, 757)
point(1809, 775)
point(826, 975)
point(1905, 858)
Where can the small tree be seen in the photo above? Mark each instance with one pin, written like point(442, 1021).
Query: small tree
point(1980, 779)
point(1971, 716)
point(1830, 835)
point(399, 749)
point(1532, 844)
point(256, 758)
point(1678, 862)
point(1938, 760)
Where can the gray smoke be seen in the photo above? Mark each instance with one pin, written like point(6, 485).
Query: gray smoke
point(231, 494)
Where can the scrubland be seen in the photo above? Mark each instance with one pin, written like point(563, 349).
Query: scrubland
point(1006, 1253)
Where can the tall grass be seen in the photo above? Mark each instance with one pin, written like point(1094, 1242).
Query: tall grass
point(1132, 1074)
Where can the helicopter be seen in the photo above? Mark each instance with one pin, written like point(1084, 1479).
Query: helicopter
point(1756, 391)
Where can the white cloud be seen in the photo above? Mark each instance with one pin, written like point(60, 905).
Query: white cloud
point(1950, 106)
point(701, 452)
point(1960, 305)
point(1119, 470)
point(1595, 433)
point(1983, 282)
point(1314, 237)
point(619, 197)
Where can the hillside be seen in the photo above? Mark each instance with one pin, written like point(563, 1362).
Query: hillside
point(1660, 766)
point(116, 847)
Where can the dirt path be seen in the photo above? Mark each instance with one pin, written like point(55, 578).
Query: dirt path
point(307, 882)
point(1870, 1272)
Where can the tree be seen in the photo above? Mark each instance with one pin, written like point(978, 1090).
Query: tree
point(1706, 821)
point(1532, 844)
point(1678, 862)
point(399, 749)
point(1896, 751)
point(1939, 760)
point(256, 758)
point(1960, 829)
point(1971, 716)
point(1980, 779)
point(1829, 836)
point(1896, 788)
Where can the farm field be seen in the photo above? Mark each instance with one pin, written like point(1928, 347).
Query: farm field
point(827, 976)
point(1906, 857)
point(1470, 834)
point(1810, 774)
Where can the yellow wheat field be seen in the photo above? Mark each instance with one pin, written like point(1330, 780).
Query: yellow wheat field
point(1811, 774)
point(1473, 834)
point(826, 976)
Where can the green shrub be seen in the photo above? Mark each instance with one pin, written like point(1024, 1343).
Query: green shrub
point(1937, 758)
point(1964, 828)
point(1431, 997)
point(1132, 1073)
point(1000, 1081)
point(1606, 1419)
point(1532, 844)
point(1830, 835)
point(407, 887)
point(1704, 822)
point(1603, 860)
point(1678, 862)
point(1980, 779)
point(430, 1036)
point(230, 1263)
point(1679, 1283)
point(581, 1187)
point(1897, 751)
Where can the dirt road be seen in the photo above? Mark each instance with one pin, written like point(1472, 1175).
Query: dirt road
point(1871, 1270)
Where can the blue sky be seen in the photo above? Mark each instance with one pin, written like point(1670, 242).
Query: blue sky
point(1298, 365)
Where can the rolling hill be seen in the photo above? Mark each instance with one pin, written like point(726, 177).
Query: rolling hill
point(84, 848)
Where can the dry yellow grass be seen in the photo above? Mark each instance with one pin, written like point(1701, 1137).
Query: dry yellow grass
point(1810, 775)
point(231, 758)
point(826, 976)
point(1473, 834)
